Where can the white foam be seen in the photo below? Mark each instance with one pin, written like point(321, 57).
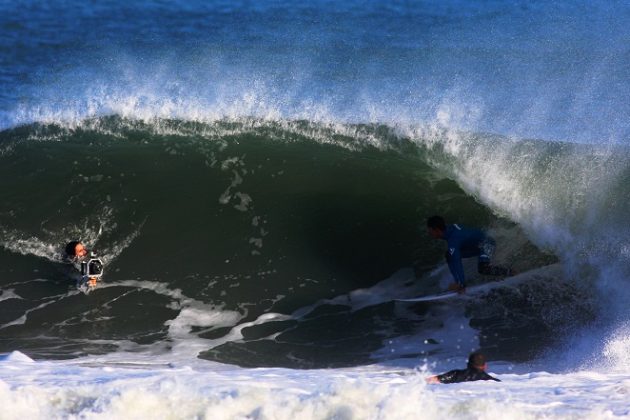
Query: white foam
point(16, 357)
point(22, 318)
point(49, 245)
point(9, 294)
point(617, 349)
point(96, 388)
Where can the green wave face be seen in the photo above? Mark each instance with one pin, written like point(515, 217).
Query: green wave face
point(246, 216)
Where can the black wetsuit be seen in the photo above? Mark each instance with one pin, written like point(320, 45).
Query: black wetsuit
point(465, 375)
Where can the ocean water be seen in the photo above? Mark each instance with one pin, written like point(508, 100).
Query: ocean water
point(256, 177)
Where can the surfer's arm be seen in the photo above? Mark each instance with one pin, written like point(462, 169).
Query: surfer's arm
point(454, 260)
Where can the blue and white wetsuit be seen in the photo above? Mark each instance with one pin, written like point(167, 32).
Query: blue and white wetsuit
point(466, 243)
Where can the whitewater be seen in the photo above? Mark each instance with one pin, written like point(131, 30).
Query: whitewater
point(256, 178)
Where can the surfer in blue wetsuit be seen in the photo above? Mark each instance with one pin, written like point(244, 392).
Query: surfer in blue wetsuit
point(475, 371)
point(465, 243)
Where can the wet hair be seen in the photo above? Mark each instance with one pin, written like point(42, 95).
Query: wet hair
point(436, 222)
point(476, 360)
point(70, 248)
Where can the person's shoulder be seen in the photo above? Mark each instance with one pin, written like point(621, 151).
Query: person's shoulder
point(452, 376)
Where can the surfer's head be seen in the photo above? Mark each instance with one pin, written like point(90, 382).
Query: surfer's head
point(477, 361)
point(79, 250)
point(76, 249)
point(436, 226)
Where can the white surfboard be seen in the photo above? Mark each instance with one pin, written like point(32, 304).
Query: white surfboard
point(551, 271)
point(429, 298)
point(470, 291)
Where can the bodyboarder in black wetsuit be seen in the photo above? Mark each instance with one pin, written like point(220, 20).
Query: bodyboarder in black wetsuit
point(475, 371)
